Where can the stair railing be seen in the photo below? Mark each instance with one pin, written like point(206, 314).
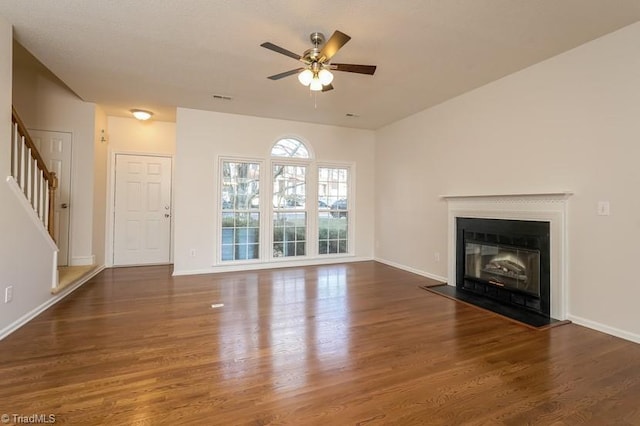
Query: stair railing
point(32, 175)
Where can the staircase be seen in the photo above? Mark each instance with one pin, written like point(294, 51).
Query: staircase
point(32, 175)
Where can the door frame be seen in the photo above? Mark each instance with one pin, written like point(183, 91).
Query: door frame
point(111, 191)
point(72, 201)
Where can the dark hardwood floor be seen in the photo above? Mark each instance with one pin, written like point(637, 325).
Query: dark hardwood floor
point(349, 344)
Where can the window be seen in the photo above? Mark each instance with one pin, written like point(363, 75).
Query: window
point(289, 210)
point(240, 210)
point(333, 210)
point(289, 198)
point(305, 212)
point(290, 148)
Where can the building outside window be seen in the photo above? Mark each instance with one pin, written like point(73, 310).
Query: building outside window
point(307, 210)
point(333, 210)
point(240, 204)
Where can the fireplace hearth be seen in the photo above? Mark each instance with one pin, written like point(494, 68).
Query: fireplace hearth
point(505, 261)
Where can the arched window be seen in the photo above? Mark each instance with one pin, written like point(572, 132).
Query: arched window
point(290, 148)
point(304, 211)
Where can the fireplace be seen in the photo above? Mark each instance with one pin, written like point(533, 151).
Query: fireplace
point(532, 210)
point(505, 260)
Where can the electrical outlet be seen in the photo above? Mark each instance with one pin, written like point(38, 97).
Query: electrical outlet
point(436, 256)
point(8, 294)
point(192, 253)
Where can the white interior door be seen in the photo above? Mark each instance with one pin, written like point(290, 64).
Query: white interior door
point(55, 149)
point(142, 210)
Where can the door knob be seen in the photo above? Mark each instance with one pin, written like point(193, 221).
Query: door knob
point(64, 205)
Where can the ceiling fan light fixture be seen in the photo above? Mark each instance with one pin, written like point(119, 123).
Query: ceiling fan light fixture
point(315, 85)
point(305, 77)
point(325, 76)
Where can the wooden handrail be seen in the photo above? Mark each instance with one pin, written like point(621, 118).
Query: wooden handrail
point(46, 213)
point(22, 129)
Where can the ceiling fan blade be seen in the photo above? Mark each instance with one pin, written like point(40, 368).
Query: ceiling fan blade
point(281, 50)
point(360, 69)
point(327, 87)
point(285, 74)
point(337, 40)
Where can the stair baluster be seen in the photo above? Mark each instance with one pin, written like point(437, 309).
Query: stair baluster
point(32, 175)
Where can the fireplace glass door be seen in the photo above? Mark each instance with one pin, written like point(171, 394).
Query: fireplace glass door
point(503, 266)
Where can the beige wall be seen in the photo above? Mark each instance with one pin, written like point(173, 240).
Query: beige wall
point(6, 55)
point(27, 254)
point(202, 137)
point(567, 124)
point(45, 103)
point(140, 137)
point(130, 136)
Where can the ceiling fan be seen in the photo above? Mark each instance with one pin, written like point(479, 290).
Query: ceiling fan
point(316, 72)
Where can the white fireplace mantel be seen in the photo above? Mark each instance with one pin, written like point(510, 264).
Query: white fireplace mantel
point(549, 207)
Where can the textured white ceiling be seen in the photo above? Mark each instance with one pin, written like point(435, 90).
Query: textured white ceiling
point(160, 54)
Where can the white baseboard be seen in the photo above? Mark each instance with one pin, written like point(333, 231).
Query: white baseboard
point(444, 280)
point(269, 265)
point(46, 305)
point(83, 261)
point(604, 328)
point(573, 318)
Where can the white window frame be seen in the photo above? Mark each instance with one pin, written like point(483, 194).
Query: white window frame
point(261, 232)
point(266, 209)
point(351, 203)
point(309, 192)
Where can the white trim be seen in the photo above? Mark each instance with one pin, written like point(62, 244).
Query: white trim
point(604, 328)
point(55, 275)
point(266, 215)
point(46, 305)
point(83, 260)
point(270, 265)
point(303, 140)
point(549, 207)
point(412, 270)
point(217, 193)
point(15, 188)
point(73, 179)
point(562, 195)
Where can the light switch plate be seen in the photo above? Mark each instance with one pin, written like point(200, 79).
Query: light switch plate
point(604, 208)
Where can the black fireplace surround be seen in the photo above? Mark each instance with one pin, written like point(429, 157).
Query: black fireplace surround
point(505, 260)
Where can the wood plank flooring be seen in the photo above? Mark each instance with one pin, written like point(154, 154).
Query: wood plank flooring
point(348, 344)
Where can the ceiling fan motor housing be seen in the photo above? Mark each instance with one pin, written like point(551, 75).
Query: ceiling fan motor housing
point(317, 39)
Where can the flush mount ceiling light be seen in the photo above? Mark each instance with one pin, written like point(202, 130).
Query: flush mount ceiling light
point(141, 114)
point(316, 72)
